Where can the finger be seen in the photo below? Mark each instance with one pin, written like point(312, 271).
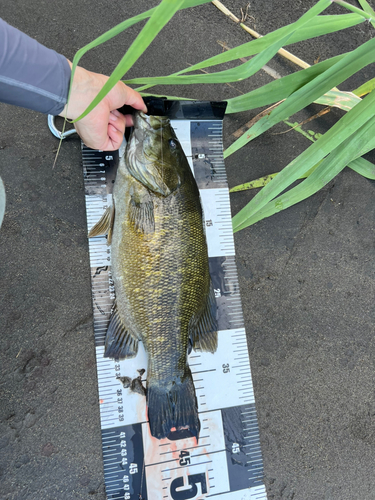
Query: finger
point(122, 94)
point(117, 120)
point(115, 136)
point(129, 121)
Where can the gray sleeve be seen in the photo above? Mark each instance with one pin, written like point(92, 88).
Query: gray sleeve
point(31, 75)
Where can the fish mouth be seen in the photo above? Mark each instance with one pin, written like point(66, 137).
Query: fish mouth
point(149, 122)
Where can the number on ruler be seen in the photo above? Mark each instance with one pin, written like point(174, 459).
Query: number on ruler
point(184, 458)
point(191, 492)
point(226, 368)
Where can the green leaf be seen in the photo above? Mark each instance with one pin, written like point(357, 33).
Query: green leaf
point(363, 167)
point(365, 88)
point(193, 3)
point(317, 26)
point(159, 18)
point(359, 165)
point(335, 136)
point(278, 89)
point(2, 201)
point(347, 66)
point(367, 8)
point(257, 183)
point(351, 7)
point(361, 140)
point(338, 99)
point(119, 28)
point(243, 71)
point(107, 36)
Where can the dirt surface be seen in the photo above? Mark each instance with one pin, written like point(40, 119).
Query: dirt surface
point(307, 275)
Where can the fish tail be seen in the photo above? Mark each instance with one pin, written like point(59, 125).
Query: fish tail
point(173, 406)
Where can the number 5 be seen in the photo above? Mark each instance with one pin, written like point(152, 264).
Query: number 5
point(191, 492)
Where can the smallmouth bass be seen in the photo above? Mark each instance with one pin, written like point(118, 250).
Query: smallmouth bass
point(164, 295)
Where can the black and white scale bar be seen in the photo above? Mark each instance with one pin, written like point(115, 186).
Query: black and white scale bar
point(218, 465)
point(207, 154)
point(226, 462)
point(218, 221)
point(228, 369)
point(227, 292)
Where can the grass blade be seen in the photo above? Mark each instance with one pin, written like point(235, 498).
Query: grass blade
point(318, 26)
point(241, 72)
point(348, 6)
point(110, 34)
point(338, 99)
point(119, 28)
point(279, 89)
point(367, 8)
point(365, 88)
point(359, 165)
point(244, 70)
point(159, 18)
point(257, 183)
point(363, 167)
point(341, 131)
point(361, 140)
point(192, 3)
point(347, 66)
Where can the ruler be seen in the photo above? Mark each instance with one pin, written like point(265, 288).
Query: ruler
point(226, 462)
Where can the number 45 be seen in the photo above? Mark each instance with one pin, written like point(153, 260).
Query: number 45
point(184, 458)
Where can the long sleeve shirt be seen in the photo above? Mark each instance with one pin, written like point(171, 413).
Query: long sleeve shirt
point(31, 75)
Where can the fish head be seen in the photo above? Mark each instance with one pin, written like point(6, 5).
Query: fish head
point(154, 155)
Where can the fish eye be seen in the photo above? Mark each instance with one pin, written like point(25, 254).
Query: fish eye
point(172, 143)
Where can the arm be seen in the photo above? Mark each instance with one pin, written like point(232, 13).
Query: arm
point(35, 77)
point(31, 75)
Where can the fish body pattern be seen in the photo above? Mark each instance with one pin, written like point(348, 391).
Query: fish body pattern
point(164, 294)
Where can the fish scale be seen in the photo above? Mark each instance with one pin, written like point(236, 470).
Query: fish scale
point(226, 462)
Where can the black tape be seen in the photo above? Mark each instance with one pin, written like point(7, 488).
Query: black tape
point(189, 110)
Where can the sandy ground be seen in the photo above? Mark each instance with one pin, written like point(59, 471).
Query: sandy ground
point(307, 275)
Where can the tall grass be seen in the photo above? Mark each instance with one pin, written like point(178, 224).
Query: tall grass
point(344, 144)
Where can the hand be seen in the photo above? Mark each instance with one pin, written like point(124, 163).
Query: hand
point(103, 128)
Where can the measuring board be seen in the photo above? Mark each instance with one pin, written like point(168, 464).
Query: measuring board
point(226, 462)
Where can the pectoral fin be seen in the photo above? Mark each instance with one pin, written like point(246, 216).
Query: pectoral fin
point(141, 209)
point(203, 326)
point(104, 224)
point(142, 215)
point(120, 341)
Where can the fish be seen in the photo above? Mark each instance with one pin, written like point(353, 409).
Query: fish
point(160, 268)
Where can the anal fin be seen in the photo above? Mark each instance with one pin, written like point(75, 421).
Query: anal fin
point(104, 224)
point(120, 341)
point(203, 326)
